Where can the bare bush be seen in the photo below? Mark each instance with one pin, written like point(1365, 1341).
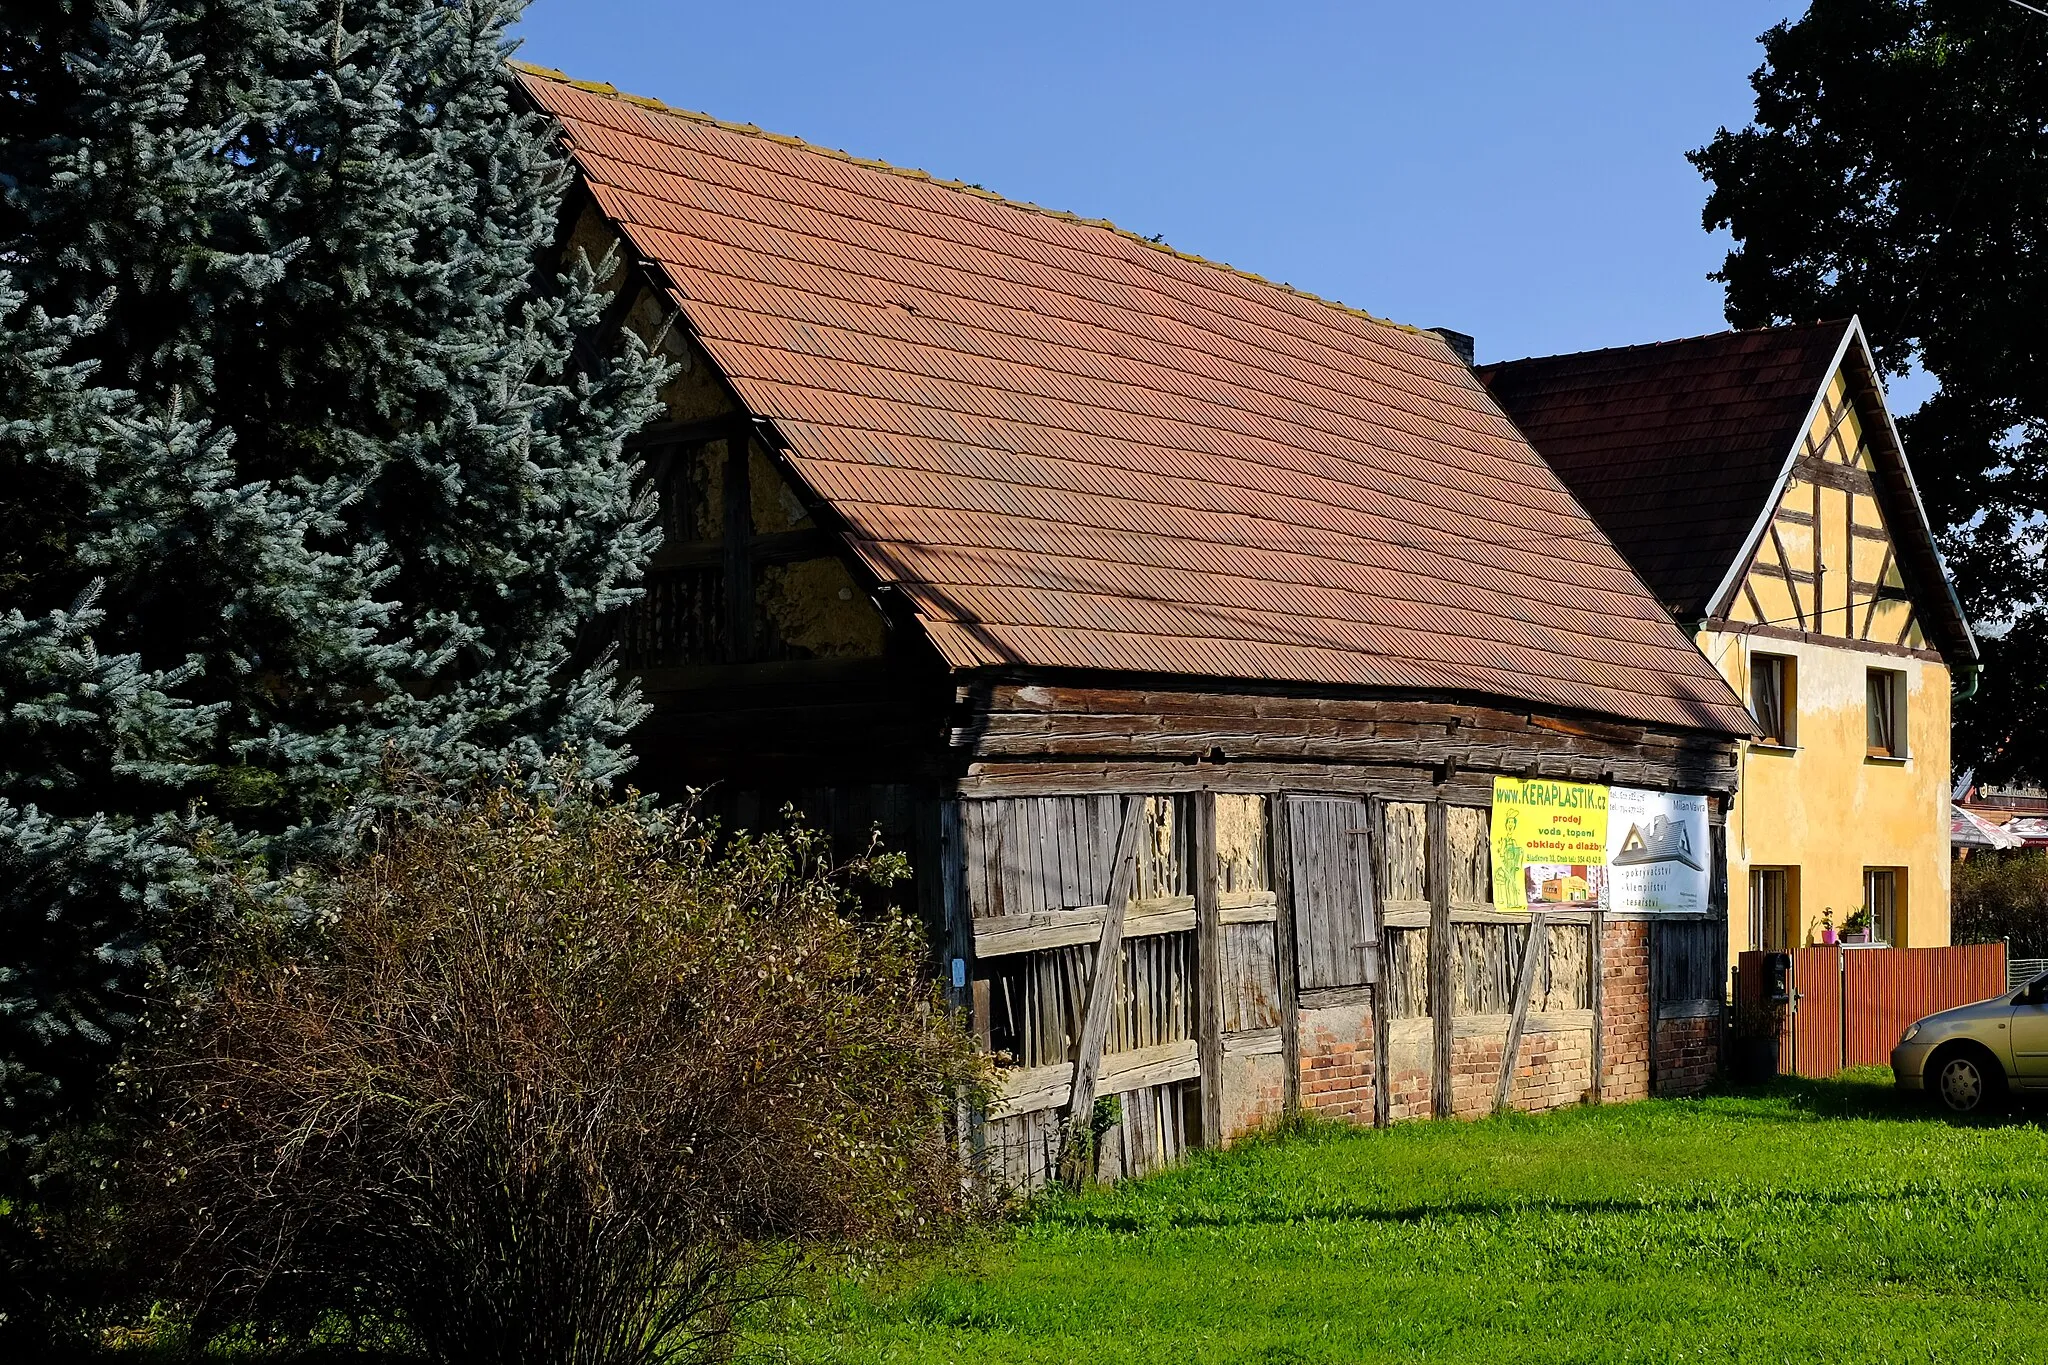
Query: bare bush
point(555, 1084)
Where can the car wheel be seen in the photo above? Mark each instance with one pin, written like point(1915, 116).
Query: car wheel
point(1964, 1082)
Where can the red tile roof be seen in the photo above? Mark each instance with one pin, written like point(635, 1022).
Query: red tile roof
point(1072, 448)
point(1673, 447)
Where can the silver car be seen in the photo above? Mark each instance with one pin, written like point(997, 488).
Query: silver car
point(1973, 1055)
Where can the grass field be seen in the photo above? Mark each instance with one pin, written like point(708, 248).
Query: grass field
point(1813, 1222)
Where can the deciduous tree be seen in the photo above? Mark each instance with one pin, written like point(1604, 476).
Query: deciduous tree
point(1897, 168)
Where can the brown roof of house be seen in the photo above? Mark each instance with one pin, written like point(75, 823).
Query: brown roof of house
point(1673, 447)
point(1072, 448)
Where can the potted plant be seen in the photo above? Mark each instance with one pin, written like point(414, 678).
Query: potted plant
point(1856, 928)
point(1754, 1038)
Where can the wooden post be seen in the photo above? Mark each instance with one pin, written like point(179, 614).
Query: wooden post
point(1436, 874)
point(1209, 973)
point(1280, 831)
point(1382, 1031)
point(1596, 988)
point(1108, 953)
point(738, 565)
point(1525, 985)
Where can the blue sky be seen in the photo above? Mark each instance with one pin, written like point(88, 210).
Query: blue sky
point(1512, 170)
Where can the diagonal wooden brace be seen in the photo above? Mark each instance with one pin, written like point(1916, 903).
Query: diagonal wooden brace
point(1102, 983)
point(1525, 986)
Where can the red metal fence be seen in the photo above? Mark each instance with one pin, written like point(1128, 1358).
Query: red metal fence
point(1851, 1004)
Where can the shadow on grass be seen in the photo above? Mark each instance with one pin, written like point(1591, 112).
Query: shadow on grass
point(1867, 1094)
point(1781, 1200)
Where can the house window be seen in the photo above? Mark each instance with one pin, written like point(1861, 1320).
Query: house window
point(1770, 908)
point(1881, 903)
point(1772, 679)
point(1886, 712)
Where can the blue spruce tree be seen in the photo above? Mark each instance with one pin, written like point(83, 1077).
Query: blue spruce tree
point(307, 473)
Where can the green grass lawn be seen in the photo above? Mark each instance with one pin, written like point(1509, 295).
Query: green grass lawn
point(1813, 1222)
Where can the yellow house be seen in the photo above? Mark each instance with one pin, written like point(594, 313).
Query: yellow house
point(1756, 483)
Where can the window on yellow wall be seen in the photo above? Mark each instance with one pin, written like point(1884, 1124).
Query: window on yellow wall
point(1771, 909)
point(1885, 710)
point(1773, 687)
point(1881, 903)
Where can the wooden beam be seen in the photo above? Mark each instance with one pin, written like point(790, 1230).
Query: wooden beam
point(1280, 832)
point(1884, 568)
point(1382, 1031)
point(739, 566)
point(1209, 969)
point(1108, 952)
point(1792, 584)
point(1820, 601)
point(1595, 970)
point(1442, 991)
point(683, 433)
point(1826, 473)
point(1525, 985)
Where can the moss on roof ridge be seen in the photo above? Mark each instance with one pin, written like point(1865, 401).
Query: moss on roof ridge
point(609, 91)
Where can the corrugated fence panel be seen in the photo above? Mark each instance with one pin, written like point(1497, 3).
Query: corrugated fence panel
point(1885, 989)
point(1854, 1003)
point(1817, 1017)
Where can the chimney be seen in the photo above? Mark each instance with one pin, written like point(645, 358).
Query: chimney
point(1459, 342)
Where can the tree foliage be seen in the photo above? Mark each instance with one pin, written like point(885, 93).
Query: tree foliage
point(306, 467)
point(2002, 895)
point(556, 1076)
point(1897, 168)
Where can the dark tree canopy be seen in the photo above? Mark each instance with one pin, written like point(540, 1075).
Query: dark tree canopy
point(1897, 169)
point(306, 475)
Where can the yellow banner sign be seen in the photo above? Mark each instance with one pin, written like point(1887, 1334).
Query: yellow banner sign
point(1549, 843)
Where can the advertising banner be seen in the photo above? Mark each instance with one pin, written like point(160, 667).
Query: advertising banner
point(1549, 843)
point(1659, 852)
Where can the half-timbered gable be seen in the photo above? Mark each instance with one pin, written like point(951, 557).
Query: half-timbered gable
point(1179, 626)
point(1757, 483)
point(1827, 564)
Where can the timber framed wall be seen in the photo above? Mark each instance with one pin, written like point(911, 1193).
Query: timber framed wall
point(1306, 920)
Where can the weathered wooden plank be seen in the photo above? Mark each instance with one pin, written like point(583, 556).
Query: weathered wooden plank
point(1062, 928)
point(1534, 948)
point(1441, 993)
point(1025, 1090)
point(1412, 778)
point(1262, 911)
point(1333, 997)
point(1210, 967)
point(1107, 969)
point(1335, 911)
point(1287, 951)
point(1265, 1042)
point(1251, 987)
point(1382, 1017)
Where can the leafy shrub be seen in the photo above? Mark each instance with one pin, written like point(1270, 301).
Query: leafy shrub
point(2002, 895)
point(558, 1083)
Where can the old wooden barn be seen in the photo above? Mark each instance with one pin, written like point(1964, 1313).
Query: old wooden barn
point(1178, 624)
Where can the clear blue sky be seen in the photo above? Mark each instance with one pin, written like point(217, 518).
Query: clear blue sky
point(1514, 170)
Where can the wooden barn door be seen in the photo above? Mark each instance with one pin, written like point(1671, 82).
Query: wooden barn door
point(1336, 925)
